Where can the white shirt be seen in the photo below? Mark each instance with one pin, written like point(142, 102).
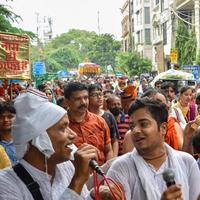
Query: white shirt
point(12, 188)
point(124, 171)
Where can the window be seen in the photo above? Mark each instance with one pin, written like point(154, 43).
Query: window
point(138, 37)
point(140, 16)
point(156, 2)
point(137, 17)
point(147, 36)
point(147, 15)
point(165, 33)
point(162, 5)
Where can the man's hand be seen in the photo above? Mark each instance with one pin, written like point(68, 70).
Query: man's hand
point(105, 192)
point(187, 135)
point(172, 193)
point(82, 157)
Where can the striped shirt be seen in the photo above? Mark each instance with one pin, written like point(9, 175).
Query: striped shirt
point(123, 127)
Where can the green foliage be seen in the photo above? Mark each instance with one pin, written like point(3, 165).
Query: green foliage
point(71, 48)
point(79, 40)
point(65, 57)
point(132, 63)
point(51, 65)
point(104, 50)
point(186, 44)
point(198, 59)
point(7, 17)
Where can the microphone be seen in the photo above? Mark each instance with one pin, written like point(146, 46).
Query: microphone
point(94, 165)
point(168, 176)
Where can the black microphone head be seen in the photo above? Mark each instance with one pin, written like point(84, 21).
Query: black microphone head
point(94, 165)
point(169, 176)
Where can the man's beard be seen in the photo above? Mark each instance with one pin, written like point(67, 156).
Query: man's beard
point(115, 111)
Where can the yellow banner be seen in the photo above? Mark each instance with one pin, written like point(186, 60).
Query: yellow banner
point(174, 55)
point(14, 56)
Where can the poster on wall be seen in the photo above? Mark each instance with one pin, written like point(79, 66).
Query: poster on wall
point(14, 56)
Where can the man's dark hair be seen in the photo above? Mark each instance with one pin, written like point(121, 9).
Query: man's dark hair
point(7, 107)
point(150, 92)
point(74, 86)
point(94, 86)
point(157, 109)
point(60, 100)
point(41, 87)
point(198, 99)
point(158, 82)
point(166, 85)
point(196, 141)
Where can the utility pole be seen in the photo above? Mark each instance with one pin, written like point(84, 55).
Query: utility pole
point(173, 33)
point(37, 28)
point(130, 26)
point(197, 24)
point(173, 22)
point(98, 23)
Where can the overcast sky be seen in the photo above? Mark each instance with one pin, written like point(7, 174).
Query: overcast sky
point(67, 14)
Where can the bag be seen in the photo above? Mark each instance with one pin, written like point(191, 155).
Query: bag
point(32, 186)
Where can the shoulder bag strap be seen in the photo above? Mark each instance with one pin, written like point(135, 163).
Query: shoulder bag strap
point(32, 186)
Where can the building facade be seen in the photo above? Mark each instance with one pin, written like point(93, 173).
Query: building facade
point(136, 27)
point(143, 27)
point(125, 26)
point(152, 26)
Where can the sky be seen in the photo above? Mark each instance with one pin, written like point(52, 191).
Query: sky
point(68, 14)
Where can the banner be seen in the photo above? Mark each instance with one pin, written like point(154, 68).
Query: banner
point(38, 68)
point(14, 56)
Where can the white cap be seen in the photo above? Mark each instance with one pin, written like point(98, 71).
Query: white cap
point(34, 115)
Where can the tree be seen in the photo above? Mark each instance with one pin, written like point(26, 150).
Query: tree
point(104, 50)
point(71, 48)
point(65, 57)
point(7, 17)
point(132, 63)
point(186, 44)
point(198, 59)
point(80, 40)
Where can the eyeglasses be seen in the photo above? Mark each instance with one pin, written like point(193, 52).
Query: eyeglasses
point(100, 94)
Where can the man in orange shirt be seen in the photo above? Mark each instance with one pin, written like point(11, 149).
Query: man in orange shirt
point(90, 128)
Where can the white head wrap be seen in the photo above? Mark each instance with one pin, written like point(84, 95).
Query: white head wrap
point(34, 115)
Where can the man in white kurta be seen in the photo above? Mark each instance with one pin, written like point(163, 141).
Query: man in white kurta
point(43, 144)
point(12, 188)
point(140, 171)
point(128, 171)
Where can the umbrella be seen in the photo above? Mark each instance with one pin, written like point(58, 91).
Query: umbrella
point(173, 74)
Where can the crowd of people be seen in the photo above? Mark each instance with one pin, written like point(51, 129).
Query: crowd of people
point(135, 131)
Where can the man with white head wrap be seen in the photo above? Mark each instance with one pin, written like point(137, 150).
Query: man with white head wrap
point(43, 143)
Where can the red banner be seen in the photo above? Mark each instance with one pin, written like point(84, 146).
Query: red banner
point(14, 56)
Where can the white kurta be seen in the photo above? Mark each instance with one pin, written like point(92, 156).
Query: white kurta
point(12, 188)
point(124, 171)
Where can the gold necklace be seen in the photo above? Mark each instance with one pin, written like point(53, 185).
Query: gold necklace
point(160, 156)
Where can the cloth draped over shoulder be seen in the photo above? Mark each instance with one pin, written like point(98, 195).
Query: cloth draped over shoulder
point(4, 159)
point(171, 135)
point(142, 182)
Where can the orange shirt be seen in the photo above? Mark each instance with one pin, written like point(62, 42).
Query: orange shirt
point(171, 137)
point(92, 130)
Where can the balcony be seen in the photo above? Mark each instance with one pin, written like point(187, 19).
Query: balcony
point(184, 4)
point(157, 40)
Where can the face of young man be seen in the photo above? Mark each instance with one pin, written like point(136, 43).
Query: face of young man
point(96, 98)
point(6, 120)
point(78, 101)
point(61, 136)
point(170, 93)
point(147, 137)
